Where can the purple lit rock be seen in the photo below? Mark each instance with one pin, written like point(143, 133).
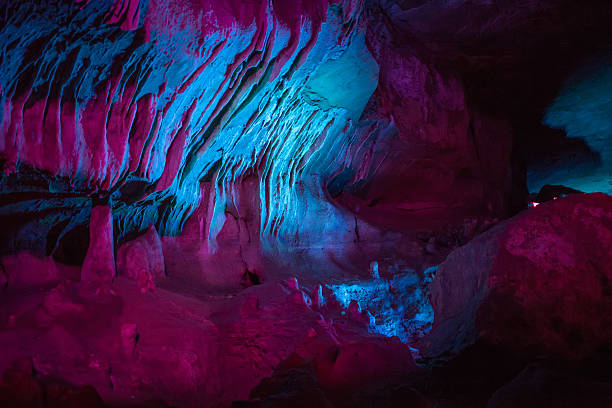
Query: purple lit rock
point(24, 269)
point(362, 363)
point(539, 282)
point(99, 263)
point(232, 179)
point(142, 259)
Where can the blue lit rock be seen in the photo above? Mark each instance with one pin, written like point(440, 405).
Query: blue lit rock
point(400, 306)
point(582, 110)
point(147, 110)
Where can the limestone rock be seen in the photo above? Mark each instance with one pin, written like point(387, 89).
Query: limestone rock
point(537, 283)
point(142, 259)
point(99, 263)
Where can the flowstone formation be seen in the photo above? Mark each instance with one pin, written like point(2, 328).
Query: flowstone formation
point(163, 105)
point(146, 100)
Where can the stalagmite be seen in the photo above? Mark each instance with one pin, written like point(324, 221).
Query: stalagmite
point(99, 263)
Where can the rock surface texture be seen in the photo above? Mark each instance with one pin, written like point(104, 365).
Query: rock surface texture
point(147, 100)
point(537, 283)
point(99, 262)
point(269, 203)
point(142, 259)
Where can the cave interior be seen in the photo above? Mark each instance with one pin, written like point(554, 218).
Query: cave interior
point(298, 203)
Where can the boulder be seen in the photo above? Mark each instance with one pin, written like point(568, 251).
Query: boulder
point(356, 364)
point(537, 283)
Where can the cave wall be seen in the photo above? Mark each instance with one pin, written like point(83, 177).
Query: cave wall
point(581, 111)
point(200, 196)
point(164, 106)
point(146, 101)
point(355, 122)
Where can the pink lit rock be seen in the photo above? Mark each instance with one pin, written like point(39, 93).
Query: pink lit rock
point(303, 298)
point(185, 345)
point(59, 303)
point(142, 260)
point(23, 386)
point(432, 173)
point(297, 295)
point(538, 282)
point(129, 338)
point(99, 263)
point(354, 310)
point(219, 122)
point(357, 315)
point(25, 269)
point(293, 284)
point(4, 277)
point(361, 363)
point(222, 260)
point(250, 306)
point(19, 388)
point(300, 297)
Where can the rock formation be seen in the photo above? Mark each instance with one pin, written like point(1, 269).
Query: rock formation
point(332, 202)
point(537, 283)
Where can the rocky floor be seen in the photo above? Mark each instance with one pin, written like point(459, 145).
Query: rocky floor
point(514, 326)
